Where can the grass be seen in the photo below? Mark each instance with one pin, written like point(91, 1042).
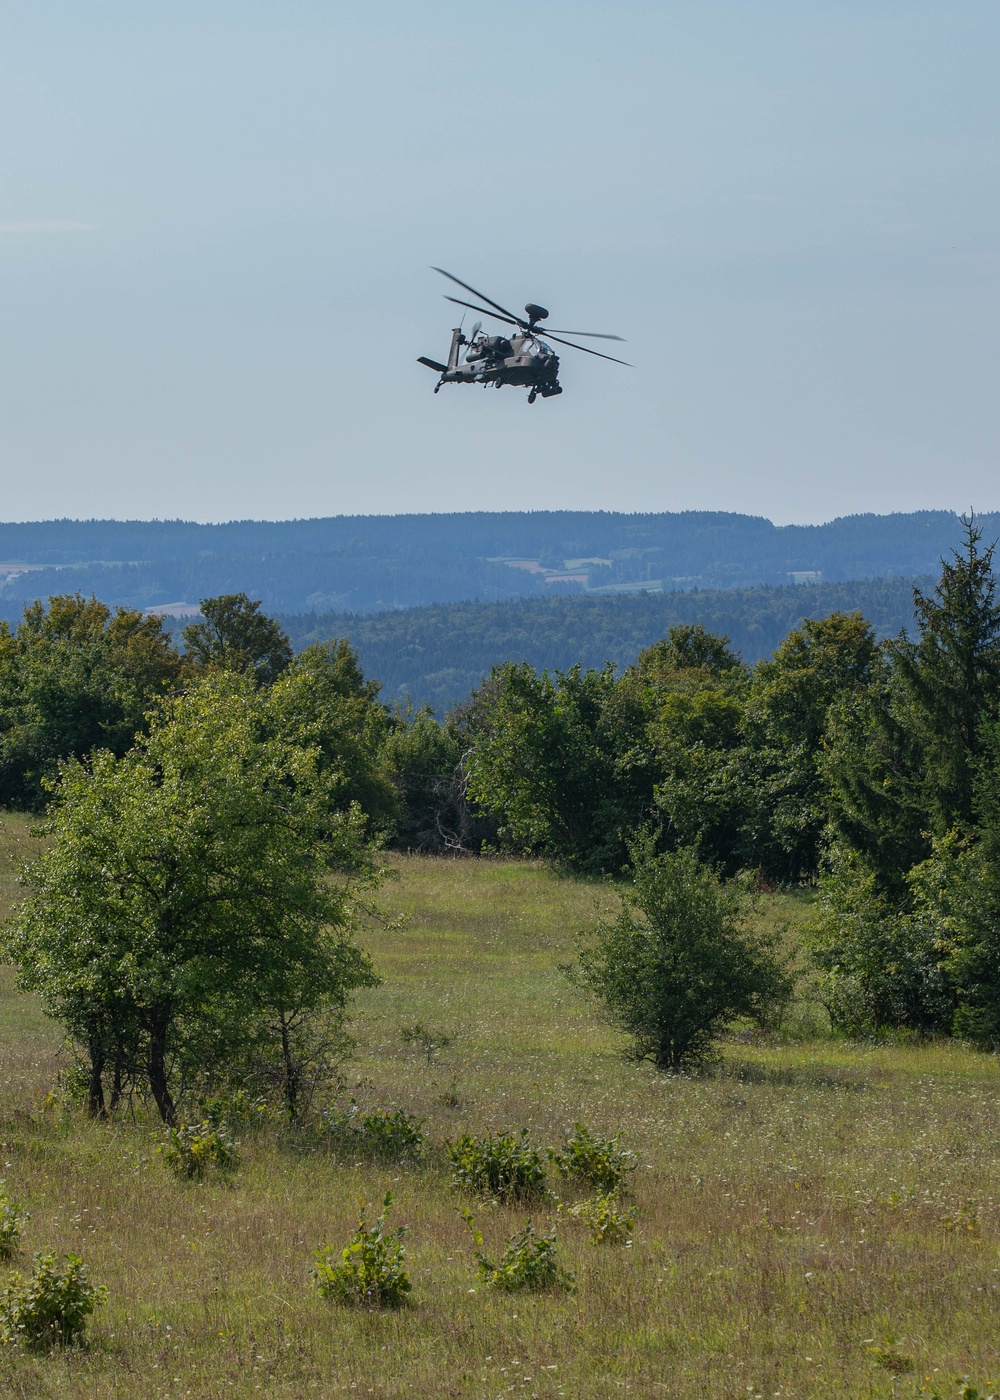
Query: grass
point(813, 1218)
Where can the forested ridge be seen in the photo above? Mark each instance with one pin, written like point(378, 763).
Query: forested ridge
point(434, 655)
point(370, 563)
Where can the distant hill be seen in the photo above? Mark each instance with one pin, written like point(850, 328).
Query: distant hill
point(435, 655)
point(368, 564)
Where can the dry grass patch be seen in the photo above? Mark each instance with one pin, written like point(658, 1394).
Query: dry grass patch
point(812, 1218)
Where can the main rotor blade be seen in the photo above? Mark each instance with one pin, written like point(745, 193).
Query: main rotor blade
point(547, 335)
point(489, 301)
point(483, 312)
point(591, 335)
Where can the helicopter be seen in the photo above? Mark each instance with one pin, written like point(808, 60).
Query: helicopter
point(523, 359)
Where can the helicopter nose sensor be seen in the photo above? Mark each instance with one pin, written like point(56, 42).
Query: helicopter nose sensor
point(535, 313)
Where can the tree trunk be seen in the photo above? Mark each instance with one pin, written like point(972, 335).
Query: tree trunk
point(291, 1071)
point(95, 1088)
point(157, 1068)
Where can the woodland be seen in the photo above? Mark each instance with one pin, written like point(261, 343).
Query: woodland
point(650, 1011)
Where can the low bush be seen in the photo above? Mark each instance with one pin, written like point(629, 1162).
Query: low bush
point(370, 1270)
point(504, 1167)
point(606, 1223)
point(595, 1160)
point(12, 1217)
point(390, 1135)
point(528, 1262)
point(192, 1150)
point(51, 1307)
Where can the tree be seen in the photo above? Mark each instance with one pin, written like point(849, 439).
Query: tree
point(823, 663)
point(323, 701)
point(75, 676)
point(563, 762)
point(880, 964)
point(181, 913)
point(235, 635)
point(951, 678)
point(682, 960)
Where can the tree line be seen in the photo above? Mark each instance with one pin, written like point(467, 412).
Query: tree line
point(214, 814)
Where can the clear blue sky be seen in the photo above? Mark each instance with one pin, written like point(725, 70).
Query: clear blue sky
point(217, 219)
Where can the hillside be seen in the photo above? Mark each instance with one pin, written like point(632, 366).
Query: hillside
point(364, 564)
point(434, 655)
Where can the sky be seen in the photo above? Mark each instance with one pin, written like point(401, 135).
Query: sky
point(218, 220)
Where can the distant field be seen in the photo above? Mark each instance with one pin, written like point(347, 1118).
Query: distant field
point(813, 1218)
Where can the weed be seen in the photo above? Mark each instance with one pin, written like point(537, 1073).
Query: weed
point(250, 1112)
point(12, 1217)
point(430, 1042)
point(528, 1261)
point(888, 1355)
point(450, 1097)
point(193, 1149)
point(504, 1167)
point(598, 1161)
point(390, 1135)
point(606, 1223)
point(51, 1307)
point(371, 1271)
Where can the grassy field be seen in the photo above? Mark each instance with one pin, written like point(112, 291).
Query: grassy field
point(814, 1218)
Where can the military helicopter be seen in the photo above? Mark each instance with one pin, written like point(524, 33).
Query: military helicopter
point(523, 359)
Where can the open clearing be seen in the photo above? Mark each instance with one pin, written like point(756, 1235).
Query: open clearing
point(814, 1218)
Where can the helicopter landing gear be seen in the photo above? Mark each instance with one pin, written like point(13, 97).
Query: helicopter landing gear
point(532, 396)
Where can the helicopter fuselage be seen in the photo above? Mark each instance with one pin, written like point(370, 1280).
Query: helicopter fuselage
point(523, 360)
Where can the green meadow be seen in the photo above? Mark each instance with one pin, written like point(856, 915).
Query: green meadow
point(813, 1217)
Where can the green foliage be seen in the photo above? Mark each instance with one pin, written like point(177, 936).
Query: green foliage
point(434, 814)
point(528, 1262)
point(825, 661)
point(682, 960)
point(881, 968)
point(192, 1150)
point(181, 912)
point(13, 1217)
point(234, 635)
point(51, 1307)
point(598, 1161)
point(391, 1135)
point(371, 1271)
point(606, 1221)
point(323, 702)
point(562, 761)
point(74, 677)
point(503, 1166)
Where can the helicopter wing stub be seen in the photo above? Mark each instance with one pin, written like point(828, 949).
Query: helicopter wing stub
point(586, 350)
point(483, 312)
point(489, 300)
point(591, 335)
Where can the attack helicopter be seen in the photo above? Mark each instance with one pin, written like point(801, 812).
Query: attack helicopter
point(523, 359)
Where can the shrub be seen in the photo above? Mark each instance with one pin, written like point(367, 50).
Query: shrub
point(596, 1160)
point(528, 1261)
point(191, 1150)
point(504, 1167)
point(389, 1135)
point(371, 1270)
point(607, 1224)
point(682, 960)
point(431, 1042)
point(12, 1217)
point(52, 1306)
